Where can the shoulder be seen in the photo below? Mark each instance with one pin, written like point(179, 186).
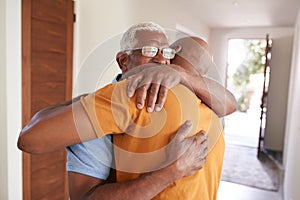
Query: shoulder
point(119, 87)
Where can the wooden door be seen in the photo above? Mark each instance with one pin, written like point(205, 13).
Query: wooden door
point(47, 44)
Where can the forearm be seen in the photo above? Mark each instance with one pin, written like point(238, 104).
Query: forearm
point(144, 187)
point(186, 154)
point(213, 94)
point(55, 127)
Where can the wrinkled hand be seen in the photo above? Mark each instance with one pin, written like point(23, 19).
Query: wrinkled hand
point(189, 153)
point(152, 80)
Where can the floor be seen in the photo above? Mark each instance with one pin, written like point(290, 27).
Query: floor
point(242, 128)
point(239, 131)
point(232, 191)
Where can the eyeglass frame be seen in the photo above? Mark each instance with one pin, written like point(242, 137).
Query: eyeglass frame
point(162, 51)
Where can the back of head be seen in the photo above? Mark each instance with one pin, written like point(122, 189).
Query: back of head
point(129, 41)
point(203, 44)
point(194, 50)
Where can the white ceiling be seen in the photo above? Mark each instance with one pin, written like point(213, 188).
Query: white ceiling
point(243, 13)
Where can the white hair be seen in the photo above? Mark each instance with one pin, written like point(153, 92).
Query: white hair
point(129, 41)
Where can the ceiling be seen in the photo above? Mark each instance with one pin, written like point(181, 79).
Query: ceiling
point(243, 13)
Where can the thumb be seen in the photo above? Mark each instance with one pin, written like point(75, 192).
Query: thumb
point(183, 130)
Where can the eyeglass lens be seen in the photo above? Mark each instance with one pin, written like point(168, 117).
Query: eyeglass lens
point(151, 51)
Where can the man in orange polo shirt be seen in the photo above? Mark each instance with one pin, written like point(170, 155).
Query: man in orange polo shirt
point(137, 152)
point(65, 117)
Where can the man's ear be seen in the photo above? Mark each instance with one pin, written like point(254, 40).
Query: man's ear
point(178, 48)
point(123, 61)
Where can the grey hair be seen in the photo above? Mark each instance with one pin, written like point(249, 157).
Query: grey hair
point(129, 41)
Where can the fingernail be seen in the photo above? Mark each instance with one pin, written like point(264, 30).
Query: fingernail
point(139, 106)
point(130, 94)
point(189, 123)
point(157, 108)
point(150, 109)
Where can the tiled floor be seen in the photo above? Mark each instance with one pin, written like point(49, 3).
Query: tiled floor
point(232, 191)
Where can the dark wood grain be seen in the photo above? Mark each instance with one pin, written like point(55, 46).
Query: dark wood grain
point(47, 54)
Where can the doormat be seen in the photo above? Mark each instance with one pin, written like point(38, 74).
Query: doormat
point(242, 166)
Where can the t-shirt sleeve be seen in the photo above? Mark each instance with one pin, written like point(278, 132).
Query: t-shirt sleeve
point(108, 109)
point(92, 158)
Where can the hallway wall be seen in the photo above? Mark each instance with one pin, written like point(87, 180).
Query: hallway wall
point(292, 147)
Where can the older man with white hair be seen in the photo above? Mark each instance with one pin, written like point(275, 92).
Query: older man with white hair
point(143, 45)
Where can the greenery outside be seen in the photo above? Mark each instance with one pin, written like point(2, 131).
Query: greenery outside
point(252, 65)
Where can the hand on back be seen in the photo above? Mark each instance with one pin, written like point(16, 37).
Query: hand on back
point(187, 154)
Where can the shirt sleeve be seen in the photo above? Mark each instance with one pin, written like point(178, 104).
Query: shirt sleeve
point(109, 109)
point(92, 158)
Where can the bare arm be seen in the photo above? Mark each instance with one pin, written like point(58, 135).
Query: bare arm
point(144, 187)
point(212, 93)
point(150, 184)
point(67, 121)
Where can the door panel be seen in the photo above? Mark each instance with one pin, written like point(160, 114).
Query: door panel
point(47, 42)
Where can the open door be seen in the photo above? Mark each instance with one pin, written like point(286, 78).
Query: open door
point(47, 53)
point(264, 97)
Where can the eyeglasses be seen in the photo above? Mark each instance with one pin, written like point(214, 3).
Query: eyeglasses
point(151, 51)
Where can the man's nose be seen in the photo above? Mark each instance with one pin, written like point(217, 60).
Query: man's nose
point(160, 59)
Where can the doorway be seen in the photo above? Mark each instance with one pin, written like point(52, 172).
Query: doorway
point(245, 78)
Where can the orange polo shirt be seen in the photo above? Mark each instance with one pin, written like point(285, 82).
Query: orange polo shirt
point(143, 146)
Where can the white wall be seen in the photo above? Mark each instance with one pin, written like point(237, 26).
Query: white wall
point(99, 28)
point(282, 37)
point(10, 100)
point(97, 22)
point(278, 92)
point(292, 147)
point(3, 102)
point(176, 17)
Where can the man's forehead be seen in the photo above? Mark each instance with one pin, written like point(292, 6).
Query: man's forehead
point(146, 37)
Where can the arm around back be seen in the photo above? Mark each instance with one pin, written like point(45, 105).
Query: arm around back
point(150, 184)
point(56, 127)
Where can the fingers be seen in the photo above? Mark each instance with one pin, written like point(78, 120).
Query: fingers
point(143, 88)
point(201, 137)
point(194, 156)
point(188, 153)
point(152, 82)
point(179, 143)
point(199, 152)
point(203, 153)
point(152, 96)
point(155, 93)
point(141, 94)
point(161, 98)
point(183, 131)
point(201, 142)
point(199, 164)
point(132, 85)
